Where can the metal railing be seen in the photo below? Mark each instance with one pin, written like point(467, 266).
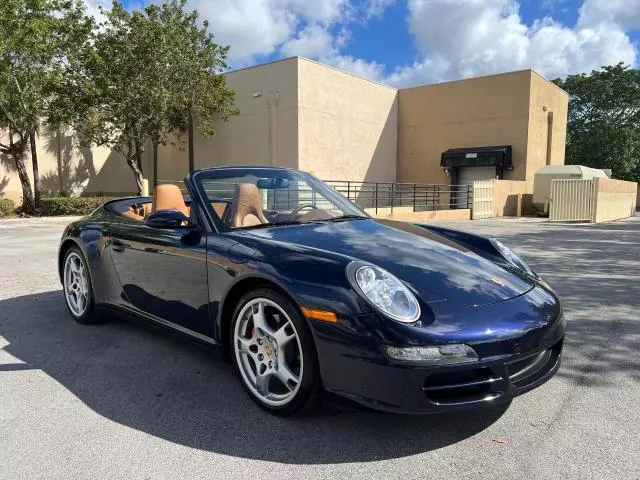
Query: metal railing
point(420, 197)
point(368, 195)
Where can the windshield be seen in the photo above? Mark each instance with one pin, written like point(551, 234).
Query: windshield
point(260, 197)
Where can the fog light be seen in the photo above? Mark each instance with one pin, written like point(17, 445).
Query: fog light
point(433, 355)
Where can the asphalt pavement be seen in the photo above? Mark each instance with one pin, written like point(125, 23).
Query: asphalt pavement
point(120, 401)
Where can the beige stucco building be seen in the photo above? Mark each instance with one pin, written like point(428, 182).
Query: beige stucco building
point(520, 109)
point(299, 113)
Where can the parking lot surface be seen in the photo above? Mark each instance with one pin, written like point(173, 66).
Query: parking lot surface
point(120, 401)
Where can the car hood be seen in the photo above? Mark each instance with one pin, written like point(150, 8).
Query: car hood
point(419, 257)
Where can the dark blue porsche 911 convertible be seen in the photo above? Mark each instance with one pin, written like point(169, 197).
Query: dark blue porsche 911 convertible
point(308, 294)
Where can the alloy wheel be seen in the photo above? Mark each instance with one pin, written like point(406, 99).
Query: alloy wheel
point(268, 352)
point(76, 284)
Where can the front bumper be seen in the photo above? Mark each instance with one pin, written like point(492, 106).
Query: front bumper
point(521, 352)
point(518, 341)
point(417, 389)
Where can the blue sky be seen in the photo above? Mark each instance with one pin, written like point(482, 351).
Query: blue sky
point(409, 42)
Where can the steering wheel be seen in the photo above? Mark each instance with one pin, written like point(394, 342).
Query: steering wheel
point(299, 208)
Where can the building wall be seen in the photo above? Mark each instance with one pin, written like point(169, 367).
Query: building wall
point(328, 122)
point(302, 114)
point(492, 110)
point(246, 139)
point(614, 199)
point(427, 216)
point(546, 100)
point(347, 125)
point(65, 167)
point(507, 193)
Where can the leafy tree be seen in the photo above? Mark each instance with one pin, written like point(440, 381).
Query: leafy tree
point(131, 79)
point(603, 130)
point(203, 97)
point(36, 37)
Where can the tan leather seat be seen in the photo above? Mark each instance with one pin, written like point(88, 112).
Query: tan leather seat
point(169, 197)
point(220, 208)
point(247, 206)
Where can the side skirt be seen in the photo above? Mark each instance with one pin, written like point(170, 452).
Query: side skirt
point(163, 326)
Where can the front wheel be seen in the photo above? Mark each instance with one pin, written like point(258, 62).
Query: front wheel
point(274, 353)
point(78, 292)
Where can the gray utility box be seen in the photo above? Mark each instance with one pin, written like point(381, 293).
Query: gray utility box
point(542, 181)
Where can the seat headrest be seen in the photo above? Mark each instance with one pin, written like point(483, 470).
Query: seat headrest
point(169, 197)
point(247, 206)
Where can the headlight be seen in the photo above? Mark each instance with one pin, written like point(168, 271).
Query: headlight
point(512, 257)
point(433, 355)
point(384, 291)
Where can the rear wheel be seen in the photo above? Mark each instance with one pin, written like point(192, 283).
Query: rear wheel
point(274, 353)
point(78, 292)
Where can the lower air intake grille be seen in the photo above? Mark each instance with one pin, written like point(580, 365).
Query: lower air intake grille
point(525, 371)
point(461, 387)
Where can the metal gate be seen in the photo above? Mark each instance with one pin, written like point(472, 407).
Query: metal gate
point(482, 199)
point(571, 200)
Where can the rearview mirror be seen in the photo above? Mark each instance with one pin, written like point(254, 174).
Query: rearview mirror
point(166, 219)
point(273, 183)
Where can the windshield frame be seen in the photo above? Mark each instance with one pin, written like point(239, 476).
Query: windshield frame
point(196, 179)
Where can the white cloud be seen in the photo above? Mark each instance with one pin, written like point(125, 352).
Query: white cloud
point(553, 5)
point(357, 66)
point(317, 42)
point(323, 11)
point(463, 38)
point(375, 8)
point(260, 27)
point(625, 13)
point(266, 27)
point(433, 69)
point(251, 27)
point(454, 38)
point(314, 41)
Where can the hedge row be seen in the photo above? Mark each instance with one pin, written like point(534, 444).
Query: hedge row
point(7, 207)
point(61, 206)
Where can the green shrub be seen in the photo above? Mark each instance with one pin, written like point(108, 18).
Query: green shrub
point(61, 206)
point(7, 207)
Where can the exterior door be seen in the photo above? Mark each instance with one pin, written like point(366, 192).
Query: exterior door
point(466, 177)
point(163, 273)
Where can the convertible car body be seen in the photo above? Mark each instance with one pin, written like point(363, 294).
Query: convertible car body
point(308, 294)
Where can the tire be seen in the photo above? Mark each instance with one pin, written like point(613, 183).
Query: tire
point(76, 284)
point(271, 347)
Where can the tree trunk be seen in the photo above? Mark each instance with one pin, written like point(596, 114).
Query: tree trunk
point(134, 160)
point(190, 141)
point(137, 173)
point(36, 172)
point(59, 161)
point(28, 205)
point(139, 149)
point(138, 153)
point(17, 152)
point(155, 164)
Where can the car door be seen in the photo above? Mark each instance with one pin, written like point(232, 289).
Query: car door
point(163, 273)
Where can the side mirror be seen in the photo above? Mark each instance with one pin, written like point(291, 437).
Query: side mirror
point(166, 219)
